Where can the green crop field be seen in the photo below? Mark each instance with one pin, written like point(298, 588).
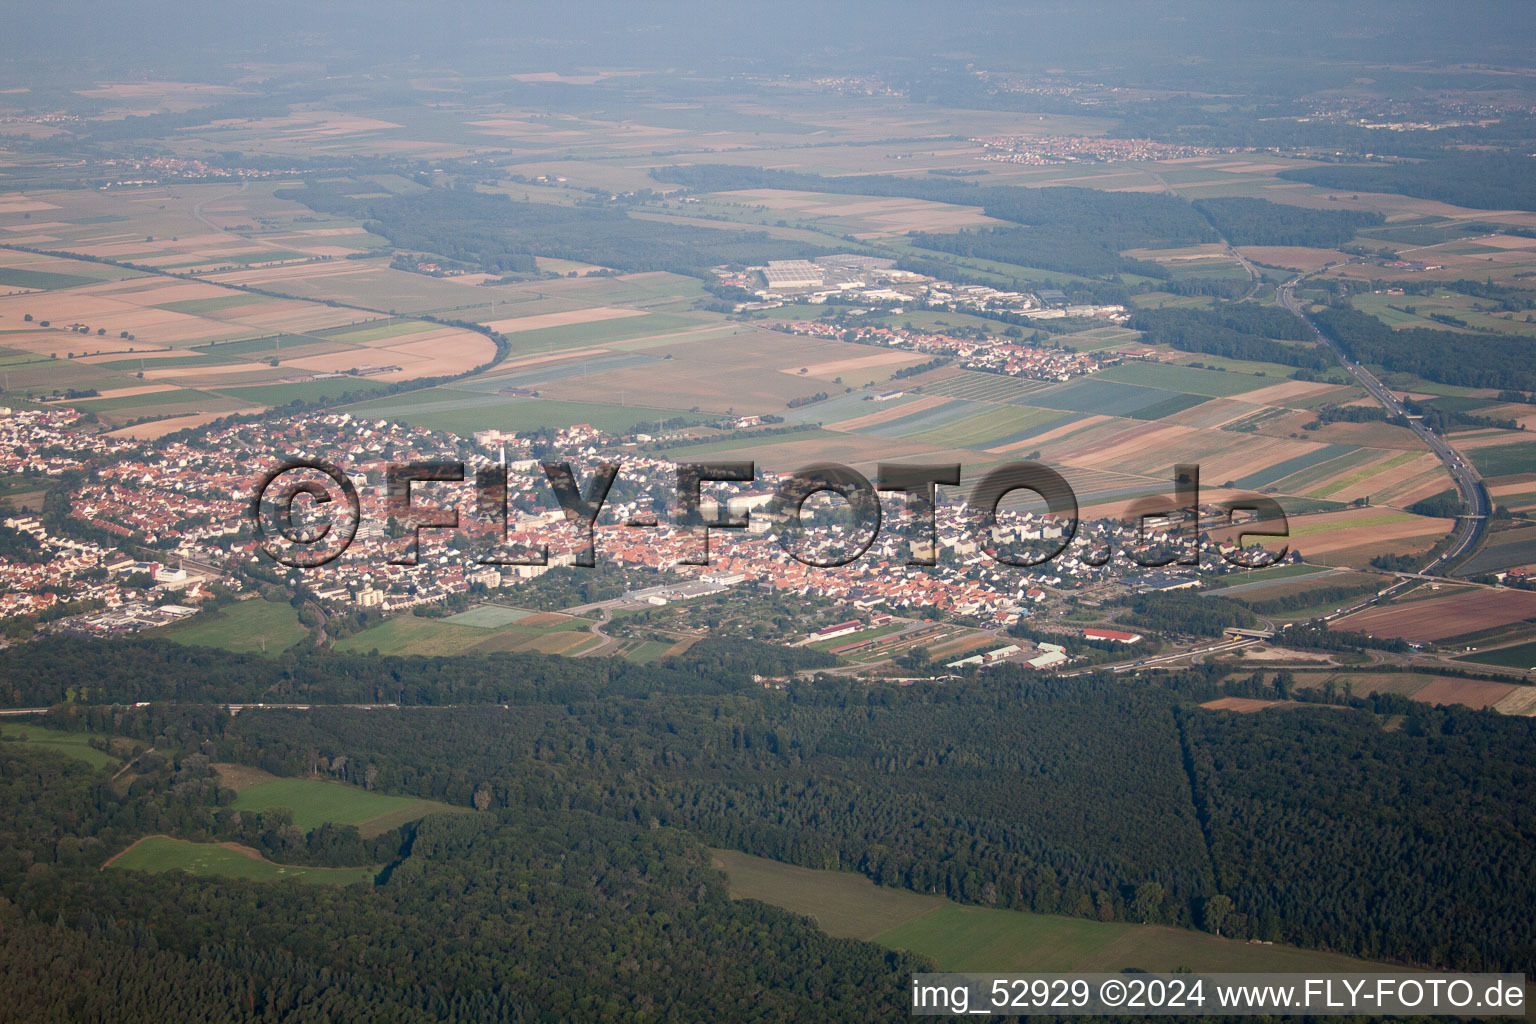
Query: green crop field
point(72, 744)
point(963, 938)
point(268, 343)
point(984, 387)
point(314, 803)
point(1505, 459)
point(305, 391)
point(992, 428)
point(162, 853)
point(171, 363)
point(198, 307)
point(16, 277)
point(364, 333)
point(1521, 656)
point(172, 396)
point(265, 626)
point(1210, 383)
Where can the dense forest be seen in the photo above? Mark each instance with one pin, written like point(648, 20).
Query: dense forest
point(499, 235)
point(1187, 611)
point(1077, 230)
point(1483, 181)
point(1064, 247)
point(1243, 330)
point(1319, 822)
point(1245, 221)
point(1086, 797)
point(490, 917)
point(1502, 360)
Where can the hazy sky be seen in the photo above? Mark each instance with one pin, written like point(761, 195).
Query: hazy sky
point(717, 35)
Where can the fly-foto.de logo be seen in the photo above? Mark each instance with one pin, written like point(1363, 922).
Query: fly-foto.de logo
point(306, 512)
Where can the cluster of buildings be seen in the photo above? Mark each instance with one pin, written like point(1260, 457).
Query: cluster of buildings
point(874, 283)
point(190, 500)
point(1040, 150)
point(992, 355)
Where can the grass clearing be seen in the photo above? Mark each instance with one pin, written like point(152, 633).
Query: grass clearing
point(157, 854)
point(260, 626)
point(314, 803)
point(411, 634)
point(72, 744)
point(963, 938)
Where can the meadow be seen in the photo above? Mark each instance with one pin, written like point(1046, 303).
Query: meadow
point(72, 744)
point(314, 803)
point(261, 626)
point(481, 630)
point(967, 938)
point(157, 854)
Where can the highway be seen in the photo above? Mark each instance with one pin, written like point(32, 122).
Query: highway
point(1471, 526)
point(1223, 646)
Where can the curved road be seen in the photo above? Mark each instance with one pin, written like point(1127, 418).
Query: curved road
point(1470, 527)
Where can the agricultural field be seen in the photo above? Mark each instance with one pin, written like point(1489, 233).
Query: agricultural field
point(1427, 687)
point(966, 938)
point(1441, 618)
point(154, 347)
point(158, 854)
point(1501, 550)
point(1504, 459)
point(1298, 587)
point(1517, 656)
point(463, 413)
point(260, 626)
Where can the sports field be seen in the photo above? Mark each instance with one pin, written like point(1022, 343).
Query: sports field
point(158, 854)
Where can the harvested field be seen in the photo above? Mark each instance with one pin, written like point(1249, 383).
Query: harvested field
point(1290, 391)
point(1520, 701)
point(1242, 705)
point(1294, 257)
point(575, 316)
point(1472, 693)
point(838, 367)
point(1329, 532)
point(159, 428)
point(1438, 618)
